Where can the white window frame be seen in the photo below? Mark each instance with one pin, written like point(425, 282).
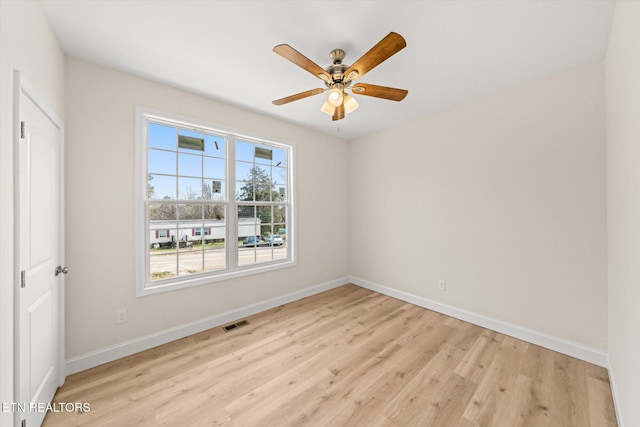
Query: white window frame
point(144, 286)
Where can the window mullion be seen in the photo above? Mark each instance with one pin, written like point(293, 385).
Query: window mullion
point(177, 238)
point(232, 214)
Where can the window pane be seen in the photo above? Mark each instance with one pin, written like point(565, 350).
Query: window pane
point(246, 213)
point(213, 168)
point(213, 190)
point(190, 143)
point(263, 186)
point(261, 174)
point(160, 136)
point(279, 157)
point(214, 212)
point(244, 151)
point(215, 256)
point(279, 252)
point(162, 234)
point(281, 229)
point(279, 176)
point(279, 215)
point(214, 146)
point(266, 229)
point(263, 193)
point(162, 263)
point(244, 191)
point(248, 235)
point(189, 165)
point(191, 212)
point(265, 214)
point(189, 261)
point(161, 187)
point(263, 154)
point(162, 162)
point(190, 188)
point(184, 234)
point(162, 212)
point(246, 256)
point(243, 171)
point(214, 221)
point(258, 240)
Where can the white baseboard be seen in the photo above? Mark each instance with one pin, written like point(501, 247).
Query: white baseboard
point(573, 349)
point(616, 400)
point(127, 348)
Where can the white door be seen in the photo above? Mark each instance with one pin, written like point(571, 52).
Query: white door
point(39, 294)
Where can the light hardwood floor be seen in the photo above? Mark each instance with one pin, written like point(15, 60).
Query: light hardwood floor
point(346, 357)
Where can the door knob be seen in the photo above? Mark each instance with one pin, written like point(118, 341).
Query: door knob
point(61, 269)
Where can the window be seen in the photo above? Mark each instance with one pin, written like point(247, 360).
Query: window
point(212, 204)
point(261, 207)
point(201, 231)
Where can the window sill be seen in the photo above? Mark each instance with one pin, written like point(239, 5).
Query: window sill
point(182, 282)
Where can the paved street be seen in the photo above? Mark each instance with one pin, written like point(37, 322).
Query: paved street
point(191, 260)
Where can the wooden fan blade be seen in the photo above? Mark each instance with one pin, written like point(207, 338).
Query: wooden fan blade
point(297, 96)
point(338, 113)
point(287, 52)
point(380, 91)
point(387, 47)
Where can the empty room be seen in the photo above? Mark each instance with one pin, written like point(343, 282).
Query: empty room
point(319, 213)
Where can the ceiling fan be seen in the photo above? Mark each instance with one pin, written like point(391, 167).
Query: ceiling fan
point(338, 77)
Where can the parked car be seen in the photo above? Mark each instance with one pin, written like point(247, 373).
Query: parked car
point(251, 241)
point(274, 240)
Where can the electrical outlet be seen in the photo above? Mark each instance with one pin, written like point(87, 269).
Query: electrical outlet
point(443, 285)
point(122, 315)
point(320, 268)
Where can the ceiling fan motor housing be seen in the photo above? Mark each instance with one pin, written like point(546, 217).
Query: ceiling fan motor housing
point(337, 56)
point(337, 69)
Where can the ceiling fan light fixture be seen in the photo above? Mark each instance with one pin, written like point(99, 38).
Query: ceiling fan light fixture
point(336, 96)
point(350, 103)
point(328, 108)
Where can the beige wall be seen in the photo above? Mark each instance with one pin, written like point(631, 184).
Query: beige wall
point(622, 82)
point(504, 198)
point(100, 145)
point(26, 44)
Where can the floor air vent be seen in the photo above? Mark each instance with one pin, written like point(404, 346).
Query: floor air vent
point(236, 325)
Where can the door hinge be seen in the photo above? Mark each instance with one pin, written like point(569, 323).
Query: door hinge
point(23, 280)
point(21, 130)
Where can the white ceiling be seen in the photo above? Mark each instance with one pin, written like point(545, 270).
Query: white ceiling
point(456, 50)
